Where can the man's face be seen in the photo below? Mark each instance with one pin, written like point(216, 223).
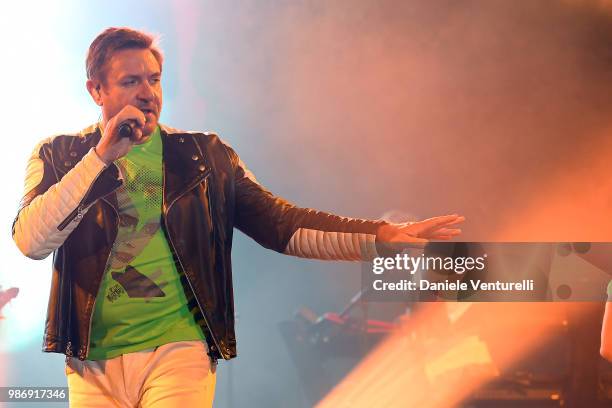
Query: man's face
point(132, 76)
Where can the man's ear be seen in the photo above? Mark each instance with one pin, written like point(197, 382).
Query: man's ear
point(93, 87)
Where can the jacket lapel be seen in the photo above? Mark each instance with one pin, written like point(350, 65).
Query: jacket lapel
point(184, 165)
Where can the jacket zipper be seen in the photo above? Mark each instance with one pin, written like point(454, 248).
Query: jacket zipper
point(76, 213)
point(68, 350)
point(93, 308)
point(166, 211)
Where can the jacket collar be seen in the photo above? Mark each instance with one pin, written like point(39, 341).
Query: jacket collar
point(184, 159)
point(185, 163)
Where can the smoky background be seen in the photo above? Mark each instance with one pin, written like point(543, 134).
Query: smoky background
point(499, 110)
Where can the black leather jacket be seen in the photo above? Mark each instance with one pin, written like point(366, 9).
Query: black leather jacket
point(207, 191)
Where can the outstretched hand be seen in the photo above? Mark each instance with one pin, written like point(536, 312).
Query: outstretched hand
point(421, 232)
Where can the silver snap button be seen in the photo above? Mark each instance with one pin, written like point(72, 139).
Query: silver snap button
point(202, 167)
point(194, 157)
point(73, 154)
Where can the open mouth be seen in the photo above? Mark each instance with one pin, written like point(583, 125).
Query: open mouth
point(148, 111)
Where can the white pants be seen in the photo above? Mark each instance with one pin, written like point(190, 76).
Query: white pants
point(173, 375)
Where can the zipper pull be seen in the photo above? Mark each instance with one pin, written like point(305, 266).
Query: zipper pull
point(75, 215)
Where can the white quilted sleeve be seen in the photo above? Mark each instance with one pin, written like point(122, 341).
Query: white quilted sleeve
point(331, 245)
point(35, 230)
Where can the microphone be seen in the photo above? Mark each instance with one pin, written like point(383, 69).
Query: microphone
point(125, 129)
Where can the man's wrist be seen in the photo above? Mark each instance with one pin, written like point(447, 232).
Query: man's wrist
point(383, 248)
point(97, 153)
point(381, 229)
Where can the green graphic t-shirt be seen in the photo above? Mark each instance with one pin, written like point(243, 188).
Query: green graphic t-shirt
point(141, 302)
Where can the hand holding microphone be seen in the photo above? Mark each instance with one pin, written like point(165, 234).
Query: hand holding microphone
point(121, 132)
point(125, 129)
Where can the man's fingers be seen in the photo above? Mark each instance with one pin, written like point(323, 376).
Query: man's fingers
point(446, 231)
point(140, 120)
point(133, 114)
point(442, 237)
point(441, 221)
point(405, 238)
point(137, 134)
point(426, 227)
point(444, 220)
point(457, 221)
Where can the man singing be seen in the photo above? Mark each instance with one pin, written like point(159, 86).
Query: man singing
point(140, 218)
